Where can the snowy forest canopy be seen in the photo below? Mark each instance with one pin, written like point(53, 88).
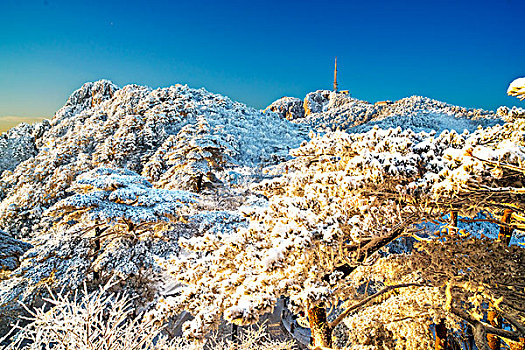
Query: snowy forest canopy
point(370, 226)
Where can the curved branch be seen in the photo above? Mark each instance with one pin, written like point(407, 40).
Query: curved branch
point(364, 251)
point(513, 322)
point(477, 325)
point(363, 302)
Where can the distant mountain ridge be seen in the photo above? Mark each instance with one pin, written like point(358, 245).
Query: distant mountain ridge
point(8, 122)
point(326, 110)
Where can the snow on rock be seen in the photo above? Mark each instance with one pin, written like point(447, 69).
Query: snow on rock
point(287, 107)
point(315, 101)
point(326, 110)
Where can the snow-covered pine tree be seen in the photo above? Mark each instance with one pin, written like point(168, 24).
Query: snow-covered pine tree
point(330, 236)
point(198, 153)
point(345, 198)
point(117, 207)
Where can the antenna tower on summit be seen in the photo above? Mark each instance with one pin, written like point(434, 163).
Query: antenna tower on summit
point(335, 75)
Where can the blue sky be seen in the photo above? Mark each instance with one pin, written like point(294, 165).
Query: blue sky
point(461, 52)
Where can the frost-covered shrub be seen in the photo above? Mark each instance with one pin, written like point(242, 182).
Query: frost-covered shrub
point(250, 338)
point(99, 320)
point(105, 320)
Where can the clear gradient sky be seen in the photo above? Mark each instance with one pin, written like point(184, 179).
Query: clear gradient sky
point(458, 51)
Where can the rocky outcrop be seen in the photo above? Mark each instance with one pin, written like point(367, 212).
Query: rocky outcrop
point(290, 108)
point(314, 101)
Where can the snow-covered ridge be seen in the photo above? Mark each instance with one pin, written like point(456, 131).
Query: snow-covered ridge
point(184, 138)
point(137, 128)
point(328, 111)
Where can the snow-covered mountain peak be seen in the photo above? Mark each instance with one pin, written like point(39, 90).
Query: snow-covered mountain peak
point(177, 137)
point(92, 93)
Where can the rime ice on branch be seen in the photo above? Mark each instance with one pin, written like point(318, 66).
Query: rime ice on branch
point(517, 88)
point(118, 203)
point(121, 199)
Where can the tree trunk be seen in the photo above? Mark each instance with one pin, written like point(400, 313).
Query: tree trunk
point(505, 234)
point(98, 233)
point(493, 340)
point(235, 333)
point(441, 336)
point(321, 332)
point(470, 337)
point(453, 223)
point(441, 329)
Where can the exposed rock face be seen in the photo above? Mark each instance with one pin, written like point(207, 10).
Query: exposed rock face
point(10, 251)
point(290, 108)
point(314, 101)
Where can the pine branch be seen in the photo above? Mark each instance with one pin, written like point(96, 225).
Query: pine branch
point(371, 297)
point(486, 328)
